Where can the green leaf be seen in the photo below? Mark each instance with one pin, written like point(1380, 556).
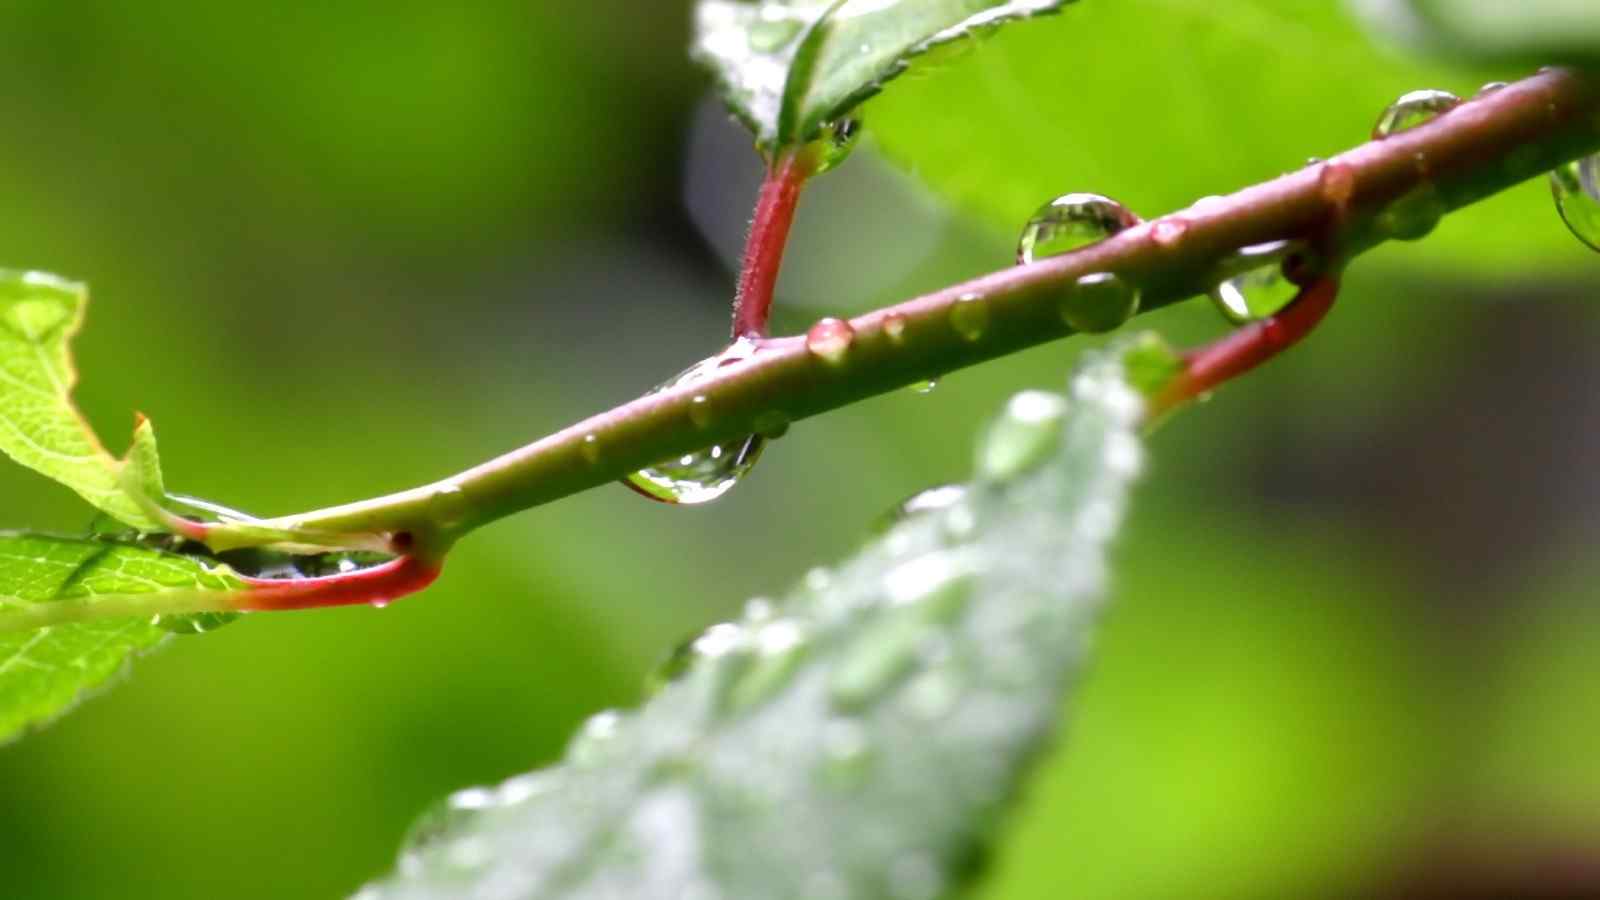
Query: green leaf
point(1527, 31)
point(73, 611)
point(859, 740)
point(39, 425)
point(787, 67)
point(1220, 96)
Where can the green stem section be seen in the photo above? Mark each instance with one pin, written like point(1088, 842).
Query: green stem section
point(1480, 148)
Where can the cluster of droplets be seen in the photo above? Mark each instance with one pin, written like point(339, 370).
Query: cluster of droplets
point(1099, 301)
point(703, 475)
point(1575, 185)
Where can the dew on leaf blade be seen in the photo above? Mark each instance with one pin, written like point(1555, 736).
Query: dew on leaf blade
point(1576, 187)
point(780, 646)
point(1259, 289)
point(1098, 302)
point(1023, 436)
point(1071, 221)
point(703, 475)
point(847, 755)
point(1412, 109)
point(932, 500)
point(925, 386)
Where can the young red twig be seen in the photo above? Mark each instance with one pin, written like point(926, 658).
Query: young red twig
point(1207, 367)
point(378, 586)
point(763, 251)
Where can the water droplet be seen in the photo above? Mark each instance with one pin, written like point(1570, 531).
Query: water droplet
point(1413, 109)
point(780, 646)
point(1069, 222)
point(1576, 186)
point(193, 623)
point(1414, 215)
point(1490, 88)
point(932, 500)
point(773, 30)
point(925, 386)
point(936, 584)
point(969, 316)
point(1098, 302)
point(1337, 184)
point(597, 741)
point(829, 340)
point(704, 475)
point(1169, 231)
point(879, 657)
point(700, 411)
point(772, 424)
point(1023, 436)
point(894, 327)
point(1258, 289)
point(590, 448)
point(838, 138)
point(846, 754)
point(716, 644)
point(448, 506)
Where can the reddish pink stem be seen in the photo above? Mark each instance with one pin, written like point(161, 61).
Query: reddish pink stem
point(763, 249)
point(1248, 347)
point(377, 585)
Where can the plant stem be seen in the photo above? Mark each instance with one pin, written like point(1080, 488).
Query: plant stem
point(1477, 149)
point(1248, 347)
point(763, 250)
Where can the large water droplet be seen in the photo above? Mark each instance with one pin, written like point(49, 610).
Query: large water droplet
point(1069, 222)
point(1023, 436)
point(829, 340)
point(1576, 186)
point(838, 139)
point(1413, 109)
point(704, 475)
point(1097, 302)
point(1259, 289)
point(1414, 215)
point(969, 316)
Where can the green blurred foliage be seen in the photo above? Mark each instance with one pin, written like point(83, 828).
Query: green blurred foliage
point(345, 249)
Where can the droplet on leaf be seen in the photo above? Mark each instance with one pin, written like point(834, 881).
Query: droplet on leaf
point(1023, 436)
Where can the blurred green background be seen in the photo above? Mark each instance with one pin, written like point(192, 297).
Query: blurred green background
point(341, 249)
